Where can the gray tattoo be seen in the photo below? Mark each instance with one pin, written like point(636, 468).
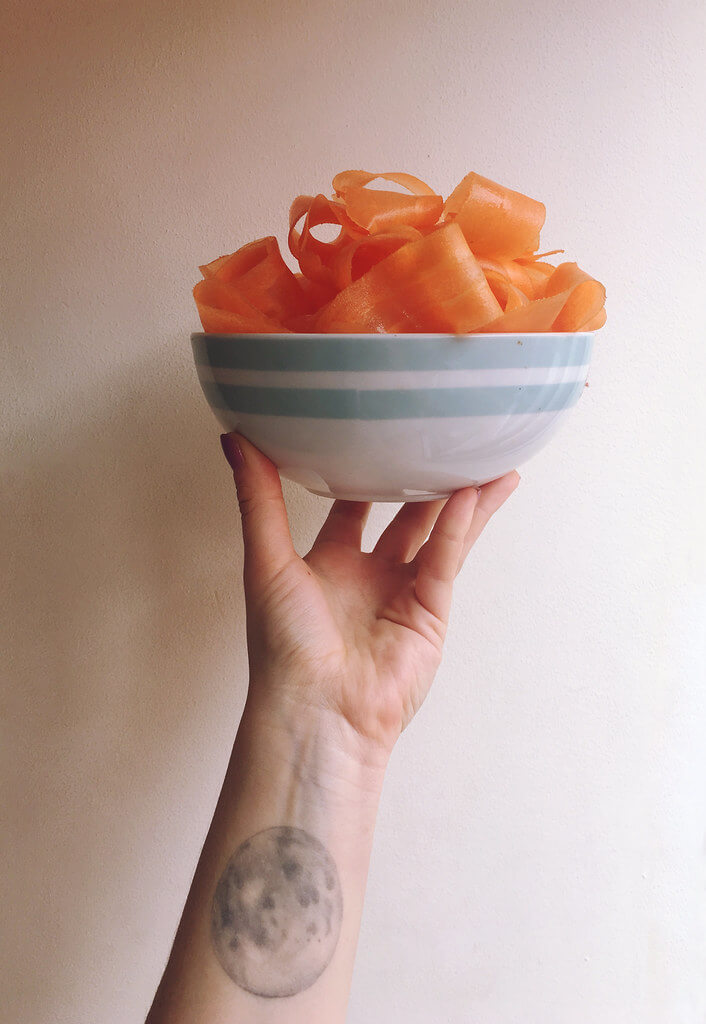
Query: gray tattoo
point(276, 913)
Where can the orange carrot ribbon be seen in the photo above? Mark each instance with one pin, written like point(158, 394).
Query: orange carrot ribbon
point(402, 262)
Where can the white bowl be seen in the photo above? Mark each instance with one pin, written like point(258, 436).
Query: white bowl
point(393, 417)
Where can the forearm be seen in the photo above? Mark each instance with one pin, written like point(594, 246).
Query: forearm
point(270, 927)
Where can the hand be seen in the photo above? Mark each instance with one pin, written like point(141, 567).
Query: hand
point(354, 633)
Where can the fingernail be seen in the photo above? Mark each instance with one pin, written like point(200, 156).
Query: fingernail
point(232, 451)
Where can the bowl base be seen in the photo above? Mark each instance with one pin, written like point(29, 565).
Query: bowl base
point(396, 497)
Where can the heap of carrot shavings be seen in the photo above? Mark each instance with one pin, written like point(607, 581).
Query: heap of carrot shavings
point(402, 262)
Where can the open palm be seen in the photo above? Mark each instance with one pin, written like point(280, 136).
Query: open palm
point(367, 627)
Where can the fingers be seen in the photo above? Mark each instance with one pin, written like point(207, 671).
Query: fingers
point(402, 538)
point(344, 524)
point(437, 560)
point(266, 536)
point(491, 497)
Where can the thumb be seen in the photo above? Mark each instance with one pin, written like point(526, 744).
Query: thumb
point(266, 537)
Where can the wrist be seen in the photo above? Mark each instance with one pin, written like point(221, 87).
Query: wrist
point(285, 731)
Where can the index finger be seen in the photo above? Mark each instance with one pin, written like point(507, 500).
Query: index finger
point(491, 496)
point(437, 559)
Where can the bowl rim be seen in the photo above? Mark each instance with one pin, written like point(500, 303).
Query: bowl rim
point(557, 336)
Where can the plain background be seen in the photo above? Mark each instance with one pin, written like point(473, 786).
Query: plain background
point(541, 850)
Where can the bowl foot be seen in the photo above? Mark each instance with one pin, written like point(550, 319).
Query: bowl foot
point(397, 497)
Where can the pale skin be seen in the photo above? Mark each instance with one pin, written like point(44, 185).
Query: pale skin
point(343, 646)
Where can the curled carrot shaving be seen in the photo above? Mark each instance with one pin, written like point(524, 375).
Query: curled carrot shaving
point(362, 254)
point(432, 284)
point(513, 272)
point(569, 309)
point(346, 180)
point(538, 272)
point(315, 257)
point(224, 310)
point(508, 295)
point(376, 210)
point(260, 274)
point(402, 262)
point(495, 220)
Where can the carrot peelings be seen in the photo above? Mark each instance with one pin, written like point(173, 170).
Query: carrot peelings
point(402, 262)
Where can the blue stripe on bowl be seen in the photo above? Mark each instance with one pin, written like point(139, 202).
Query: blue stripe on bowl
point(389, 351)
point(321, 403)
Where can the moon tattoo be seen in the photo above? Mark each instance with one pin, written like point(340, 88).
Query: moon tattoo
point(276, 913)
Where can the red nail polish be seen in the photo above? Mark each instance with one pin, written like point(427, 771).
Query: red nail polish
point(232, 451)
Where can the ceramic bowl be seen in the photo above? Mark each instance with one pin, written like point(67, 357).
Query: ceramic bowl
point(393, 417)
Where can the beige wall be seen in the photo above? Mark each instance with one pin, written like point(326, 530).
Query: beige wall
point(540, 853)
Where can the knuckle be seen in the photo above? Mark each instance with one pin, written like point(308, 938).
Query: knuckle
point(348, 510)
point(250, 504)
point(449, 534)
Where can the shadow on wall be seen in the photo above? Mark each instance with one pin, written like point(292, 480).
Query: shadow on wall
point(124, 587)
